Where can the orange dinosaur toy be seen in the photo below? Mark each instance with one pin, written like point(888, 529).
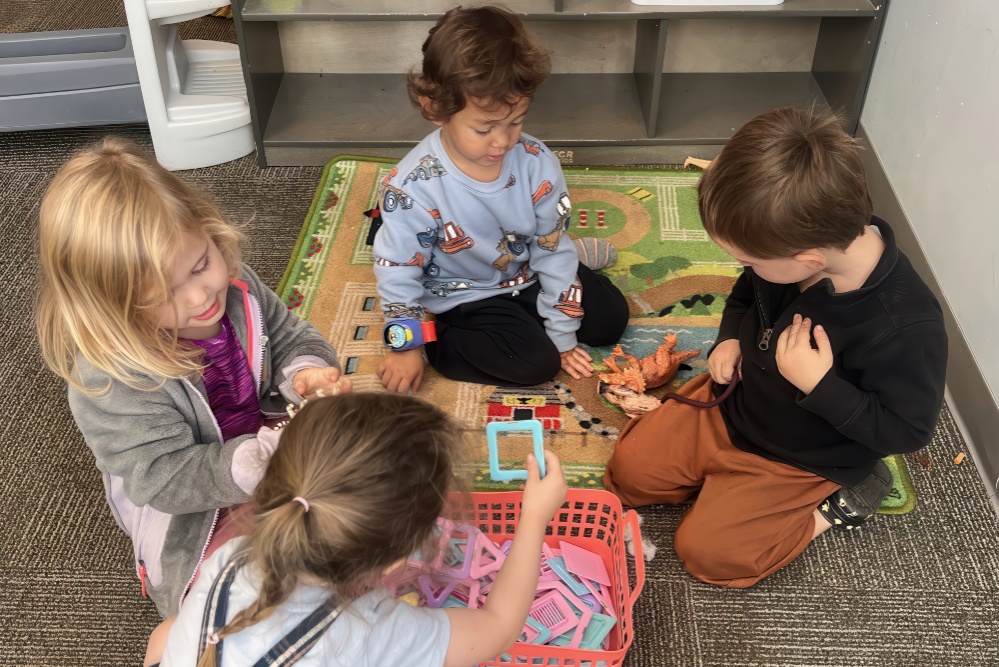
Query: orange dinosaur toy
point(626, 385)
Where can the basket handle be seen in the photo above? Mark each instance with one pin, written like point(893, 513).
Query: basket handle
point(631, 517)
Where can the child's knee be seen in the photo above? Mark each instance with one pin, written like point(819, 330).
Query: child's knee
point(707, 554)
point(703, 553)
point(613, 317)
point(629, 478)
point(534, 367)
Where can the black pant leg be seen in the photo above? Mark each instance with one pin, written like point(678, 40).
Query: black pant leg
point(605, 310)
point(494, 341)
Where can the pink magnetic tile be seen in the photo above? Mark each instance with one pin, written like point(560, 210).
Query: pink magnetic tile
point(474, 595)
point(606, 602)
point(584, 564)
point(479, 554)
point(570, 599)
point(464, 570)
point(552, 611)
point(444, 528)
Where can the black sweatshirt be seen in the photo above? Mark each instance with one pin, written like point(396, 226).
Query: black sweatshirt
point(884, 391)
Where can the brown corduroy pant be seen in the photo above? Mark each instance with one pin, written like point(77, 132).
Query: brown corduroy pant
point(751, 516)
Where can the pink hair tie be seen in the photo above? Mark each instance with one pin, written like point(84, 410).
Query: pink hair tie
point(300, 499)
point(213, 640)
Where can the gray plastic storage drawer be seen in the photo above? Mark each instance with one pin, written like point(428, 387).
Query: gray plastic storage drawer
point(68, 78)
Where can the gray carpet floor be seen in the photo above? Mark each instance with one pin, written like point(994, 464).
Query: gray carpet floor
point(918, 590)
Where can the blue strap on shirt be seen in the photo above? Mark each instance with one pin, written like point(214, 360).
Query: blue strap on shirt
point(289, 649)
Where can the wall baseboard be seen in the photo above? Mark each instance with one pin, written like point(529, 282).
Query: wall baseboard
point(968, 395)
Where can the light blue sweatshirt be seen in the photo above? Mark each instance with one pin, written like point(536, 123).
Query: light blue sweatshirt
point(447, 239)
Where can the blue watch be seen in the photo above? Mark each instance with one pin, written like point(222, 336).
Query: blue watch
point(403, 335)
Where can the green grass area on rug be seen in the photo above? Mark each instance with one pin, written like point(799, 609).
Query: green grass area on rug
point(675, 279)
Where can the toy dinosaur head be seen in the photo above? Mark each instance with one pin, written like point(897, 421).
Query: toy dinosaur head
point(631, 403)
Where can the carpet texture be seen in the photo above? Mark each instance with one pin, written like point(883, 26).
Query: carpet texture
point(674, 278)
point(919, 590)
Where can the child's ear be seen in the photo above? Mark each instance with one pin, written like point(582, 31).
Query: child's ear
point(814, 259)
point(428, 110)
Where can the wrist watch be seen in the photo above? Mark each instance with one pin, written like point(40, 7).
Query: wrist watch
point(403, 335)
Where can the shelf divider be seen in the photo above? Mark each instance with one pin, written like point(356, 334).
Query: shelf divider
point(650, 52)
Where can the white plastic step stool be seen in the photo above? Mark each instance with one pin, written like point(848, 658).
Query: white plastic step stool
point(193, 90)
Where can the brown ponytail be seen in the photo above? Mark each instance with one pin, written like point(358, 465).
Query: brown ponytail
point(374, 470)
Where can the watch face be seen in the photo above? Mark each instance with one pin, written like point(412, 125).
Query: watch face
point(396, 336)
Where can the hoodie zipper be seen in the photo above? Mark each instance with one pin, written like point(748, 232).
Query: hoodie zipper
point(250, 330)
point(263, 351)
point(215, 519)
point(768, 331)
point(201, 559)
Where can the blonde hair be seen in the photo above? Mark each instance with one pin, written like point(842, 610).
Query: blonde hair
point(375, 469)
point(110, 224)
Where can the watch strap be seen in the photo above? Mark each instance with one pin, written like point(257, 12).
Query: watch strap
point(429, 332)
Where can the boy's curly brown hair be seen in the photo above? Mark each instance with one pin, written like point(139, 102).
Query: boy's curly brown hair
point(485, 53)
point(787, 181)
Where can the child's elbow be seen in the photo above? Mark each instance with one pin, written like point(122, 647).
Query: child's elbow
point(511, 639)
point(508, 633)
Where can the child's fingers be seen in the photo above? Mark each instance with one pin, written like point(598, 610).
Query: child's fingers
point(792, 331)
point(301, 382)
point(583, 368)
point(822, 341)
point(402, 385)
point(805, 339)
point(577, 363)
point(533, 470)
point(390, 379)
point(567, 367)
point(551, 463)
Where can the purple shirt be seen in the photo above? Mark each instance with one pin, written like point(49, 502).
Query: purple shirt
point(232, 393)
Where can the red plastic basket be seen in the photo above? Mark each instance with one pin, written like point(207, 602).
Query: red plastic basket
point(590, 519)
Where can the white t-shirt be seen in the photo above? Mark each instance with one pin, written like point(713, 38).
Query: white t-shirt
point(375, 630)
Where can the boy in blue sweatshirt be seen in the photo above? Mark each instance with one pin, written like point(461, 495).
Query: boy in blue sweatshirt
point(473, 224)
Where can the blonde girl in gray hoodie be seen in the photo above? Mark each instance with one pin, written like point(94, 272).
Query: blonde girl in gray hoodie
point(174, 352)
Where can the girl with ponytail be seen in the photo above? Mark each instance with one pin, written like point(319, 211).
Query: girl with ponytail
point(355, 487)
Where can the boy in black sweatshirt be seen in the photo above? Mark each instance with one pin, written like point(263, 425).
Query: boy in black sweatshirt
point(839, 345)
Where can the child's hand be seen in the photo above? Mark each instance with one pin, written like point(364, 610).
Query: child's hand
point(543, 497)
point(797, 361)
point(576, 362)
point(402, 371)
point(317, 381)
point(724, 359)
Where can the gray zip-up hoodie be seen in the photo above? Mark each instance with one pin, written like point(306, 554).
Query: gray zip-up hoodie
point(166, 470)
